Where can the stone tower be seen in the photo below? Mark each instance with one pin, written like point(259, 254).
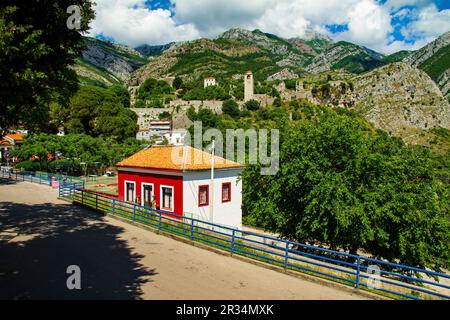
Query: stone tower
point(248, 86)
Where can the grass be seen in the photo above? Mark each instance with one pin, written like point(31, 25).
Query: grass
point(107, 185)
point(437, 63)
point(102, 73)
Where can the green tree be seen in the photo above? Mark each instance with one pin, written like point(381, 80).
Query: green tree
point(121, 93)
point(231, 108)
point(178, 83)
point(36, 52)
point(277, 102)
point(75, 149)
point(252, 105)
point(165, 116)
point(343, 184)
point(100, 112)
point(152, 88)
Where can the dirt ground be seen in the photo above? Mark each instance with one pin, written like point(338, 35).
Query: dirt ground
point(40, 236)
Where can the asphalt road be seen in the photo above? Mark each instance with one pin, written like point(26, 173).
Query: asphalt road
point(41, 236)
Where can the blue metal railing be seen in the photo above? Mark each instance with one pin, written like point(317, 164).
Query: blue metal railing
point(40, 178)
point(404, 282)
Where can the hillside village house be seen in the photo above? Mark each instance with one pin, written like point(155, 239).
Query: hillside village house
point(183, 186)
point(209, 82)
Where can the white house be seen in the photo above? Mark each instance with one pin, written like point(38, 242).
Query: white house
point(176, 137)
point(177, 179)
point(210, 81)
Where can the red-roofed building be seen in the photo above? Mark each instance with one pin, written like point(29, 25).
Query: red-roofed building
point(177, 179)
point(9, 143)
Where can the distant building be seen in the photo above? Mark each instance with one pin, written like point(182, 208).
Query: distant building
point(176, 137)
point(61, 132)
point(10, 142)
point(248, 86)
point(143, 134)
point(160, 126)
point(157, 128)
point(210, 81)
point(182, 186)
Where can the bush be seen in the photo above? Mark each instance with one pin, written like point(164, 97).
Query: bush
point(177, 83)
point(231, 108)
point(252, 105)
point(277, 102)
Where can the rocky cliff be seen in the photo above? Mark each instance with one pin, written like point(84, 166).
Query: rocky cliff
point(434, 59)
point(103, 61)
point(347, 56)
point(402, 100)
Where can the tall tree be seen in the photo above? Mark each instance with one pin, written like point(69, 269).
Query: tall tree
point(343, 184)
point(100, 112)
point(36, 49)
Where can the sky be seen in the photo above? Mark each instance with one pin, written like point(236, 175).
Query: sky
point(386, 26)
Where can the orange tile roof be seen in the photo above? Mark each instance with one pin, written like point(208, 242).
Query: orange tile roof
point(176, 158)
point(16, 136)
point(5, 143)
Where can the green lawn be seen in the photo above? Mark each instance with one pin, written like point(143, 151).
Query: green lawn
point(102, 184)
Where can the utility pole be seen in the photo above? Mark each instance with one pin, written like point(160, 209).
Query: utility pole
point(211, 190)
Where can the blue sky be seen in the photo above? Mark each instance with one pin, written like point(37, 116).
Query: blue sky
point(383, 25)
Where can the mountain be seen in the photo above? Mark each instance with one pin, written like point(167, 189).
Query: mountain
point(151, 51)
point(237, 50)
point(232, 53)
point(396, 57)
point(283, 52)
point(434, 59)
point(347, 56)
point(104, 63)
point(395, 96)
point(402, 100)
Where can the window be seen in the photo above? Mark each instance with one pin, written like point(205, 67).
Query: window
point(147, 195)
point(167, 198)
point(130, 191)
point(203, 196)
point(226, 192)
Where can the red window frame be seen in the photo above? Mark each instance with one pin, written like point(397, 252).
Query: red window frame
point(207, 196)
point(229, 192)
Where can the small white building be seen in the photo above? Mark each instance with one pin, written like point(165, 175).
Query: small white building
point(176, 137)
point(210, 81)
point(178, 180)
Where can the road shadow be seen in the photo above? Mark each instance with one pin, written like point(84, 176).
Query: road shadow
point(39, 242)
point(6, 181)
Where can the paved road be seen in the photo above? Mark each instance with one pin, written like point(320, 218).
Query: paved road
point(41, 236)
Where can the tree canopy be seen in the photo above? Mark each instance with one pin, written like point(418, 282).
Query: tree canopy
point(36, 51)
point(231, 108)
point(100, 112)
point(343, 184)
point(74, 149)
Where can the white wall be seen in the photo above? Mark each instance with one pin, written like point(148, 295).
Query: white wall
point(228, 213)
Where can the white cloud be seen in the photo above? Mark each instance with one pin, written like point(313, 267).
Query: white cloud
point(131, 23)
point(291, 18)
point(369, 24)
point(214, 16)
point(396, 4)
point(429, 23)
point(369, 21)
